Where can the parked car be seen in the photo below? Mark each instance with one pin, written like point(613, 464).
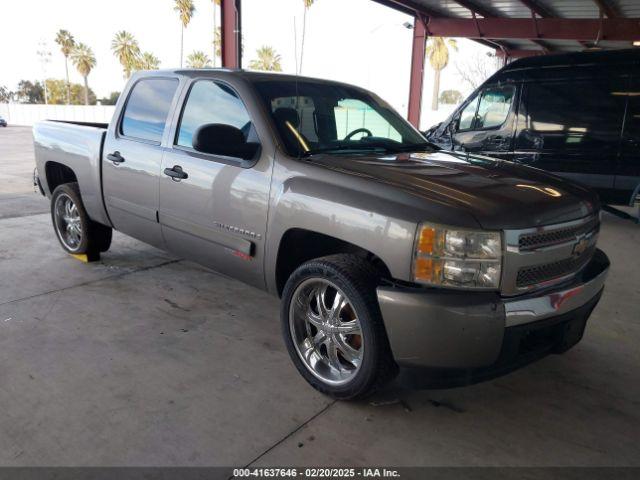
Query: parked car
point(387, 253)
point(3, 122)
point(576, 115)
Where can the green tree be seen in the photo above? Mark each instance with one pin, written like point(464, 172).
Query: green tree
point(57, 90)
point(126, 49)
point(112, 99)
point(450, 97)
point(30, 92)
point(438, 55)
point(198, 59)
point(5, 94)
point(307, 6)
point(84, 60)
point(185, 9)
point(267, 60)
point(66, 42)
point(147, 61)
point(216, 32)
point(217, 44)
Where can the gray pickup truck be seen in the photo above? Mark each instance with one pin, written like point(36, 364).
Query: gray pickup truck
point(389, 256)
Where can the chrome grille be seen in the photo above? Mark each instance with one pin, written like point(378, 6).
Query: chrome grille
point(539, 274)
point(535, 240)
point(538, 257)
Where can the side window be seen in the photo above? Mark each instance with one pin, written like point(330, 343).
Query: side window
point(212, 102)
point(494, 107)
point(574, 114)
point(145, 113)
point(352, 114)
point(468, 115)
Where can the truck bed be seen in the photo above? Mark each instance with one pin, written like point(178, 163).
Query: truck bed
point(78, 146)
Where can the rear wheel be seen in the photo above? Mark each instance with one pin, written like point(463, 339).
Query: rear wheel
point(76, 232)
point(333, 328)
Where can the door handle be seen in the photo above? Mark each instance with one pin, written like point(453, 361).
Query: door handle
point(115, 157)
point(176, 173)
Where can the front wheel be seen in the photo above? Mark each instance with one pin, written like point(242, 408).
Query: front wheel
point(333, 328)
point(76, 232)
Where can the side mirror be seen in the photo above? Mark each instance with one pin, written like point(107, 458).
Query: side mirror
point(453, 125)
point(432, 130)
point(226, 140)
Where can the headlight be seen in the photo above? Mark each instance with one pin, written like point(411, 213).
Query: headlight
point(448, 256)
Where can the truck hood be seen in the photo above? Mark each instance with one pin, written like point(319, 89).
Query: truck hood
point(499, 194)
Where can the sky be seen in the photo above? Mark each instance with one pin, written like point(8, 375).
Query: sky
point(355, 41)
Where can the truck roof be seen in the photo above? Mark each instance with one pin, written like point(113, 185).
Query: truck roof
point(248, 74)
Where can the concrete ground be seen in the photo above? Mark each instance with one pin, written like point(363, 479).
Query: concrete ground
point(144, 359)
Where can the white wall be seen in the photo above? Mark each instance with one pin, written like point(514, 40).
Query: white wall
point(26, 114)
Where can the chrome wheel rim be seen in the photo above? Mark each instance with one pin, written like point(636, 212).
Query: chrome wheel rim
point(67, 222)
point(326, 331)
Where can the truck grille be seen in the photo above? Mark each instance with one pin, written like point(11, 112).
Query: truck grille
point(535, 240)
point(538, 274)
point(538, 257)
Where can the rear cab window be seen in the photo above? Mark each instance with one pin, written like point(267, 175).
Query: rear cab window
point(145, 113)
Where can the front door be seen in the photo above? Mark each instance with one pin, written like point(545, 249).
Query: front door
point(627, 180)
point(216, 213)
point(132, 159)
point(572, 127)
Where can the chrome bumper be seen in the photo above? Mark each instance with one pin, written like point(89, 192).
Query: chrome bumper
point(454, 329)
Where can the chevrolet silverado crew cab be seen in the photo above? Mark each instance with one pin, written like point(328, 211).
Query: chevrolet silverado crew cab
point(389, 255)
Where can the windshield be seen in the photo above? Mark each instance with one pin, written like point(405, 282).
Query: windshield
point(316, 117)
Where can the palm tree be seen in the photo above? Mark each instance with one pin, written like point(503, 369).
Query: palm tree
point(148, 61)
point(66, 42)
point(198, 59)
point(438, 54)
point(307, 5)
point(125, 48)
point(185, 9)
point(267, 60)
point(216, 33)
point(83, 58)
point(217, 44)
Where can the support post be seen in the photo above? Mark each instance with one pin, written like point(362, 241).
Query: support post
point(231, 34)
point(416, 79)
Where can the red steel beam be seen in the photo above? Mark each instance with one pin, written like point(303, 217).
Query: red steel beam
point(230, 34)
point(474, 8)
point(606, 8)
point(519, 53)
point(416, 79)
point(618, 29)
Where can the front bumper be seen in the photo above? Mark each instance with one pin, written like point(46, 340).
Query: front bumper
point(469, 333)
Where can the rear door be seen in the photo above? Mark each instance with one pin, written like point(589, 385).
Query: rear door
point(486, 124)
point(572, 127)
point(132, 157)
point(217, 215)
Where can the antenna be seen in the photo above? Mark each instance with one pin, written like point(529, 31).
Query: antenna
point(297, 101)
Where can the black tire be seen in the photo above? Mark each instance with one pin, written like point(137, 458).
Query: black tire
point(95, 237)
point(358, 280)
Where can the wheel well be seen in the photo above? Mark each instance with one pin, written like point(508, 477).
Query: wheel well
point(57, 174)
point(298, 246)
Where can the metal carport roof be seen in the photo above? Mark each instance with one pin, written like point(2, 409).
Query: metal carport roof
point(515, 28)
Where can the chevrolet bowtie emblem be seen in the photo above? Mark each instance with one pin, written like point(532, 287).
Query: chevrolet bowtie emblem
point(580, 247)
